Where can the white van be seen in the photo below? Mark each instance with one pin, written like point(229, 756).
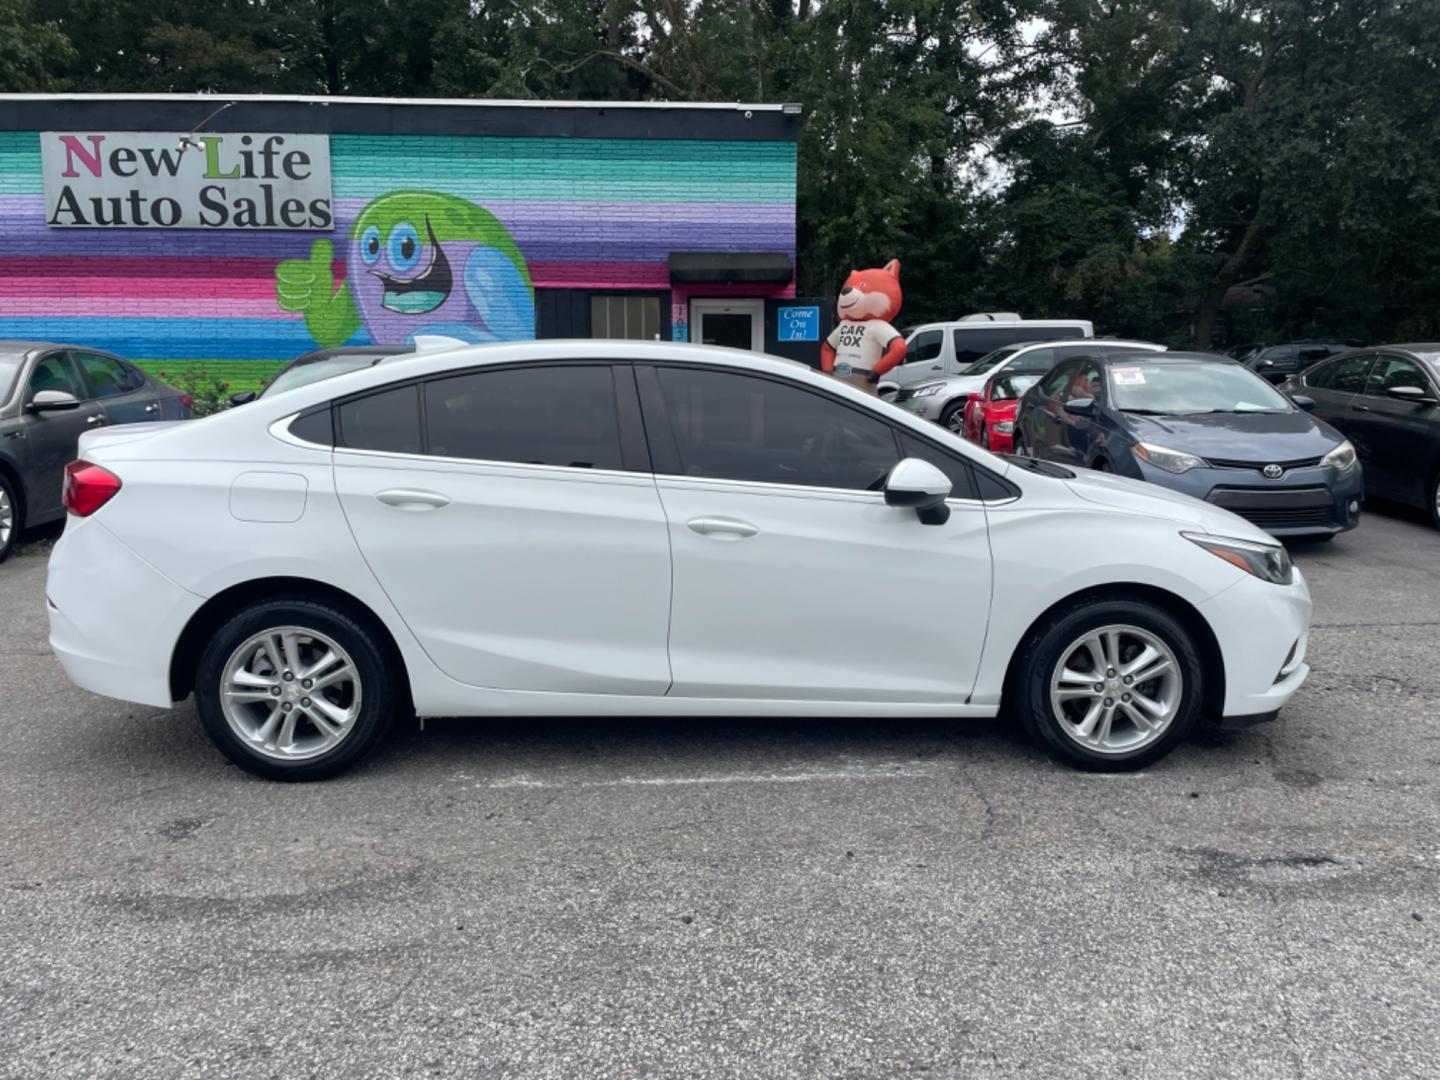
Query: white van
point(942, 349)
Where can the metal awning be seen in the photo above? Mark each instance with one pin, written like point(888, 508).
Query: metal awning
point(731, 267)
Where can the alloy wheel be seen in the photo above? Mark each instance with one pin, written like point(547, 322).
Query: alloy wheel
point(290, 693)
point(1116, 689)
point(7, 518)
point(956, 421)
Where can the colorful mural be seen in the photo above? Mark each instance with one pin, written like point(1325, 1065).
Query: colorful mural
point(600, 214)
point(418, 262)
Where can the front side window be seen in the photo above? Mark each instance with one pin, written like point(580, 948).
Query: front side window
point(1056, 381)
point(54, 373)
point(742, 427)
point(549, 415)
point(1087, 382)
point(107, 376)
point(925, 346)
point(1010, 385)
point(1344, 376)
point(989, 362)
point(1390, 372)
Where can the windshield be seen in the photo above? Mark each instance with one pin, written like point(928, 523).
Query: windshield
point(990, 360)
point(1199, 386)
point(1008, 387)
point(10, 365)
point(314, 370)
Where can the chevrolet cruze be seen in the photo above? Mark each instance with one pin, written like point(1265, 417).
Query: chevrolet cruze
point(633, 528)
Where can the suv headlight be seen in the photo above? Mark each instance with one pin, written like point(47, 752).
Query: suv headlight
point(1268, 562)
point(929, 389)
point(1342, 457)
point(1162, 457)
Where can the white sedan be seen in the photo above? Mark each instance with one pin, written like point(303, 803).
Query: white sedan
point(632, 528)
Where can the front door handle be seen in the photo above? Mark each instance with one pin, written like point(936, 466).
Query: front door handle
point(96, 418)
point(413, 499)
point(722, 528)
point(154, 406)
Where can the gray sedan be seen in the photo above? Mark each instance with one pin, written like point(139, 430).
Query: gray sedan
point(49, 394)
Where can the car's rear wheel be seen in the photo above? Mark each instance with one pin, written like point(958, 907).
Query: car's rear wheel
point(11, 520)
point(953, 417)
point(1435, 499)
point(1110, 685)
point(295, 689)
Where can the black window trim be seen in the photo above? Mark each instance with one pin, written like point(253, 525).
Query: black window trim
point(634, 451)
point(665, 450)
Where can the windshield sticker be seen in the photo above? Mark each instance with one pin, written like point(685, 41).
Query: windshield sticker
point(1127, 376)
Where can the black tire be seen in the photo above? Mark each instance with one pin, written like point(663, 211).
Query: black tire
point(10, 497)
point(1043, 650)
point(1017, 444)
point(985, 436)
point(1435, 499)
point(380, 696)
point(948, 414)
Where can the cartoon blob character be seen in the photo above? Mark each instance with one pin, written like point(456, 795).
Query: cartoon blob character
point(418, 262)
point(863, 346)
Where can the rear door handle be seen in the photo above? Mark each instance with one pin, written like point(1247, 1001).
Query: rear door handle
point(413, 499)
point(1362, 408)
point(722, 528)
point(154, 406)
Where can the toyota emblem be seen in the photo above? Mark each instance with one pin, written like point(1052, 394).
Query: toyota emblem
point(1273, 472)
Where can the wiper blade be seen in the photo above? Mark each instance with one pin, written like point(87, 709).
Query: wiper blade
point(1146, 412)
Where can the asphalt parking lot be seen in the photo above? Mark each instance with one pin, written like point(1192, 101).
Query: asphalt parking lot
point(739, 899)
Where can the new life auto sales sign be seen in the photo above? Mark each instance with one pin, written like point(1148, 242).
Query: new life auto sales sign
point(158, 180)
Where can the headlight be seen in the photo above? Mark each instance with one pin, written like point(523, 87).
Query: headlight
point(929, 391)
point(1005, 427)
point(1162, 457)
point(1268, 562)
point(1342, 457)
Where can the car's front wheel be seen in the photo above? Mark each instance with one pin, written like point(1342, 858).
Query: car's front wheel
point(1110, 685)
point(953, 417)
point(1435, 499)
point(10, 518)
point(295, 689)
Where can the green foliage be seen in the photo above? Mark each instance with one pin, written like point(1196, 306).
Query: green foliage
point(1131, 161)
point(236, 375)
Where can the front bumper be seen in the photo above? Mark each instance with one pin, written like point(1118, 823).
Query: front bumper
point(114, 619)
point(1263, 631)
point(1310, 501)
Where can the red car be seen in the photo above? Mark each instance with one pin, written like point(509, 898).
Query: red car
point(990, 414)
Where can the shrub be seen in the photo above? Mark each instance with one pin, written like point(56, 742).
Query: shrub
point(208, 393)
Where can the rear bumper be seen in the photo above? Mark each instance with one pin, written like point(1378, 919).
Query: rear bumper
point(1263, 631)
point(114, 619)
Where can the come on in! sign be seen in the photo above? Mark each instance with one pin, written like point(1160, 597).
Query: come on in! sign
point(148, 179)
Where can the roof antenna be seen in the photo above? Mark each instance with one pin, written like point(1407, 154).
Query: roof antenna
point(186, 142)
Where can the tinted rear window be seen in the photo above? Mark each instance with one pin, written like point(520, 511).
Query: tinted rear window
point(534, 415)
point(389, 421)
point(971, 343)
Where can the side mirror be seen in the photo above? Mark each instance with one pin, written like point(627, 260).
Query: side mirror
point(1411, 393)
point(922, 487)
point(1303, 402)
point(54, 401)
point(244, 397)
point(1081, 406)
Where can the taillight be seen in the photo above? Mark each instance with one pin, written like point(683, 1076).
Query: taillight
point(88, 487)
point(187, 401)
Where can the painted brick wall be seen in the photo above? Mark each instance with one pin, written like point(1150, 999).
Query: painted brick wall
point(583, 213)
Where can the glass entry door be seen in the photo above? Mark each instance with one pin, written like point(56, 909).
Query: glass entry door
point(735, 324)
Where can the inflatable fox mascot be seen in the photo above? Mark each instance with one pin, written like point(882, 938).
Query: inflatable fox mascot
point(863, 346)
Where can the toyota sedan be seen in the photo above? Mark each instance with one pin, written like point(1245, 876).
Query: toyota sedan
point(641, 529)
